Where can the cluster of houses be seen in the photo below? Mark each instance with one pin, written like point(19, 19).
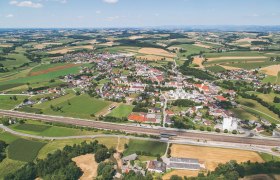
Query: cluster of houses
point(246, 75)
point(128, 164)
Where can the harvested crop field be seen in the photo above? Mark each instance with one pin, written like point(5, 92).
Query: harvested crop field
point(202, 45)
point(111, 43)
point(153, 58)
point(60, 51)
point(136, 37)
point(236, 57)
point(43, 45)
point(53, 69)
point(213, 156)
point(88, 165)
point(198, 61)
point(271, 70)
point(6, 45)
point(230, 67)
point(182, 173)
point(69, 49)
point(156, 51)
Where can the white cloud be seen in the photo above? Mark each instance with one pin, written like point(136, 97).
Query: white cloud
point(26, 4)
point(111, 1)
point(112, 18)
point(9, 16)
point(98, 12)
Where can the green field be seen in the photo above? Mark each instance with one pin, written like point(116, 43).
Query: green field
point(42, 129)
point(256, 108)
point(24, 150)
point(46, 66)
point(80, 106)
point(268, 157)
point(215, 68)
point(7, 137)
point(253, 65)
point(54, 102)
point(190, 49)
point(234, 54)
point(7, 103)
point(31, 127)
point(43, 77)
point(52, 146)
point(152, 147)
point(8, 166)
point(270, 79)
point(243, 114)
point(122, 111)
point(19, 56)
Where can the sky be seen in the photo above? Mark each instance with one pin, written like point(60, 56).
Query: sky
point(136, 13)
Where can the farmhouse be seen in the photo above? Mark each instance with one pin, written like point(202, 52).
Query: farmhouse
point(156, 166)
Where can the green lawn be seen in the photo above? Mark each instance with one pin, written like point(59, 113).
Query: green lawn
point(152, 147)
point(122, 111)
point(7, 103)
point(24, 150)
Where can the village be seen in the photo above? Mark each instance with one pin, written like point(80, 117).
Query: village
point(160, 96)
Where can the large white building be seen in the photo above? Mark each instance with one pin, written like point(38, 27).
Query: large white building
point(230, 123)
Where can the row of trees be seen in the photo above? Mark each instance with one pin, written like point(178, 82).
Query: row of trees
point(3, 146)
point(185, 103)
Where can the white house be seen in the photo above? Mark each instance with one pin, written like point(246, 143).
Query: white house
point(230, 123)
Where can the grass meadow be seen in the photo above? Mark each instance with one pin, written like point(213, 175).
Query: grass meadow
point(122, 111)
point(7, 103)
point(24, 150)
point(153, 148)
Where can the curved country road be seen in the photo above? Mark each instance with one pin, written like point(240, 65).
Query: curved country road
point(144, 130)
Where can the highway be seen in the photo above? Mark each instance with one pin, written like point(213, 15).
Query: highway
point(144, 130)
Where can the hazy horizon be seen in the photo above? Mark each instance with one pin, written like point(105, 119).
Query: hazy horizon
point(137, 14)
